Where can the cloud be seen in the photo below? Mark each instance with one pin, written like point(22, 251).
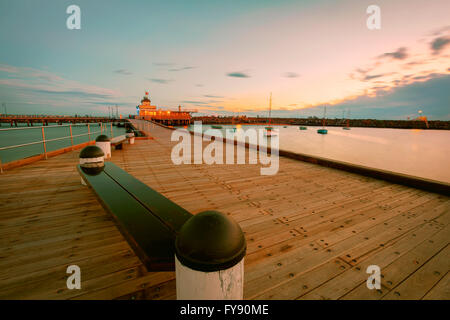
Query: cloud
point(199, 85)
point(370, 77)
point(414, 63)
point(432, 96)
point(238, 75)
point(211, 96)
point(441, 30)
point(46, 92)
point(181, 69)
point(163, 64)
point(45, 82)
point(400, 54)
point(161, 81)
point(73, 93)
point(290, 75)
point(193, 102)
point(439, 43)
point(210, 106)
point(362, 71)
point(420, 78)
point(123, 72)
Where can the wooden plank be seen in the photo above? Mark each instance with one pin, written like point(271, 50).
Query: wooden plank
point(403, 267)
point(48, 221)
point(441, 291)
point(423, 280)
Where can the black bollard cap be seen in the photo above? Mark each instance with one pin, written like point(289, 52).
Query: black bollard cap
point(102, 138)
point(92, 167)
point(91, 152)
point(210, 241)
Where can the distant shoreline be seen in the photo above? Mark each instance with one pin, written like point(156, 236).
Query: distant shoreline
point(362, 123)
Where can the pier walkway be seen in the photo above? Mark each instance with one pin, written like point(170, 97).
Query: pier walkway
point(311, 231)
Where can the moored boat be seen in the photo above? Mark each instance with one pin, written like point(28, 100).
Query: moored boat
point(269, 130)
point(323, 130)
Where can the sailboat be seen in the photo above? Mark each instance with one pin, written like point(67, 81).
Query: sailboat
point(323, 130)
point(303, 128)
point(347, 127)
point(269, 130)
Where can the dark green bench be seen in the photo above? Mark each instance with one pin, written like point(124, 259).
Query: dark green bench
point(148, 220)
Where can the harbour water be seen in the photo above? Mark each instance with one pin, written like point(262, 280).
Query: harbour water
point(53, 131)
point(421, 153)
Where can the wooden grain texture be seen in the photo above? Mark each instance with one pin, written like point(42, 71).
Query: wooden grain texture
point(311, 231)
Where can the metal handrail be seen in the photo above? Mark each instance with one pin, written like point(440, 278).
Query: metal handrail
point(44, 141)
point(56, 126)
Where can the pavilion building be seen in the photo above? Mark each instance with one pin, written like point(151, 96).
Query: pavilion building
point(167, 117)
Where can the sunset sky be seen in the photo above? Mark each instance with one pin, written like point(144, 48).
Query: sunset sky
point(225, 57)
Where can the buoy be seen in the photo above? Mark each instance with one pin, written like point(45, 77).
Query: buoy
point(130, 135)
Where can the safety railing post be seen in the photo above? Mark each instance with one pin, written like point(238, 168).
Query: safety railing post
point(71, 136)
point(112, 135)
point(89, 132)
point(43, 142)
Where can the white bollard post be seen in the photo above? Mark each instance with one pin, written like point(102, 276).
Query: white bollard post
point(104, 143)
point(130, 135)
point(91, 160)
point(209, 258)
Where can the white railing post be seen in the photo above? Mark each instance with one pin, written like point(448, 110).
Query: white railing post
point(43, 141)
point(89, 132)
point(71, 136)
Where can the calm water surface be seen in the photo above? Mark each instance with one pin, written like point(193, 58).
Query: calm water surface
point(422, 153)
point(32, 134)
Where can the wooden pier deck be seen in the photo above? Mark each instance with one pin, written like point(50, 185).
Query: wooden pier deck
point(311, 231)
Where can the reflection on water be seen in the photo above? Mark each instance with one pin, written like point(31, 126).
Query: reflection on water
point(423, 153)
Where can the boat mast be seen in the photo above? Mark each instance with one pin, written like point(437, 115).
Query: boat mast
point(270, 108)
point(324, 115)
point(348, 118)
